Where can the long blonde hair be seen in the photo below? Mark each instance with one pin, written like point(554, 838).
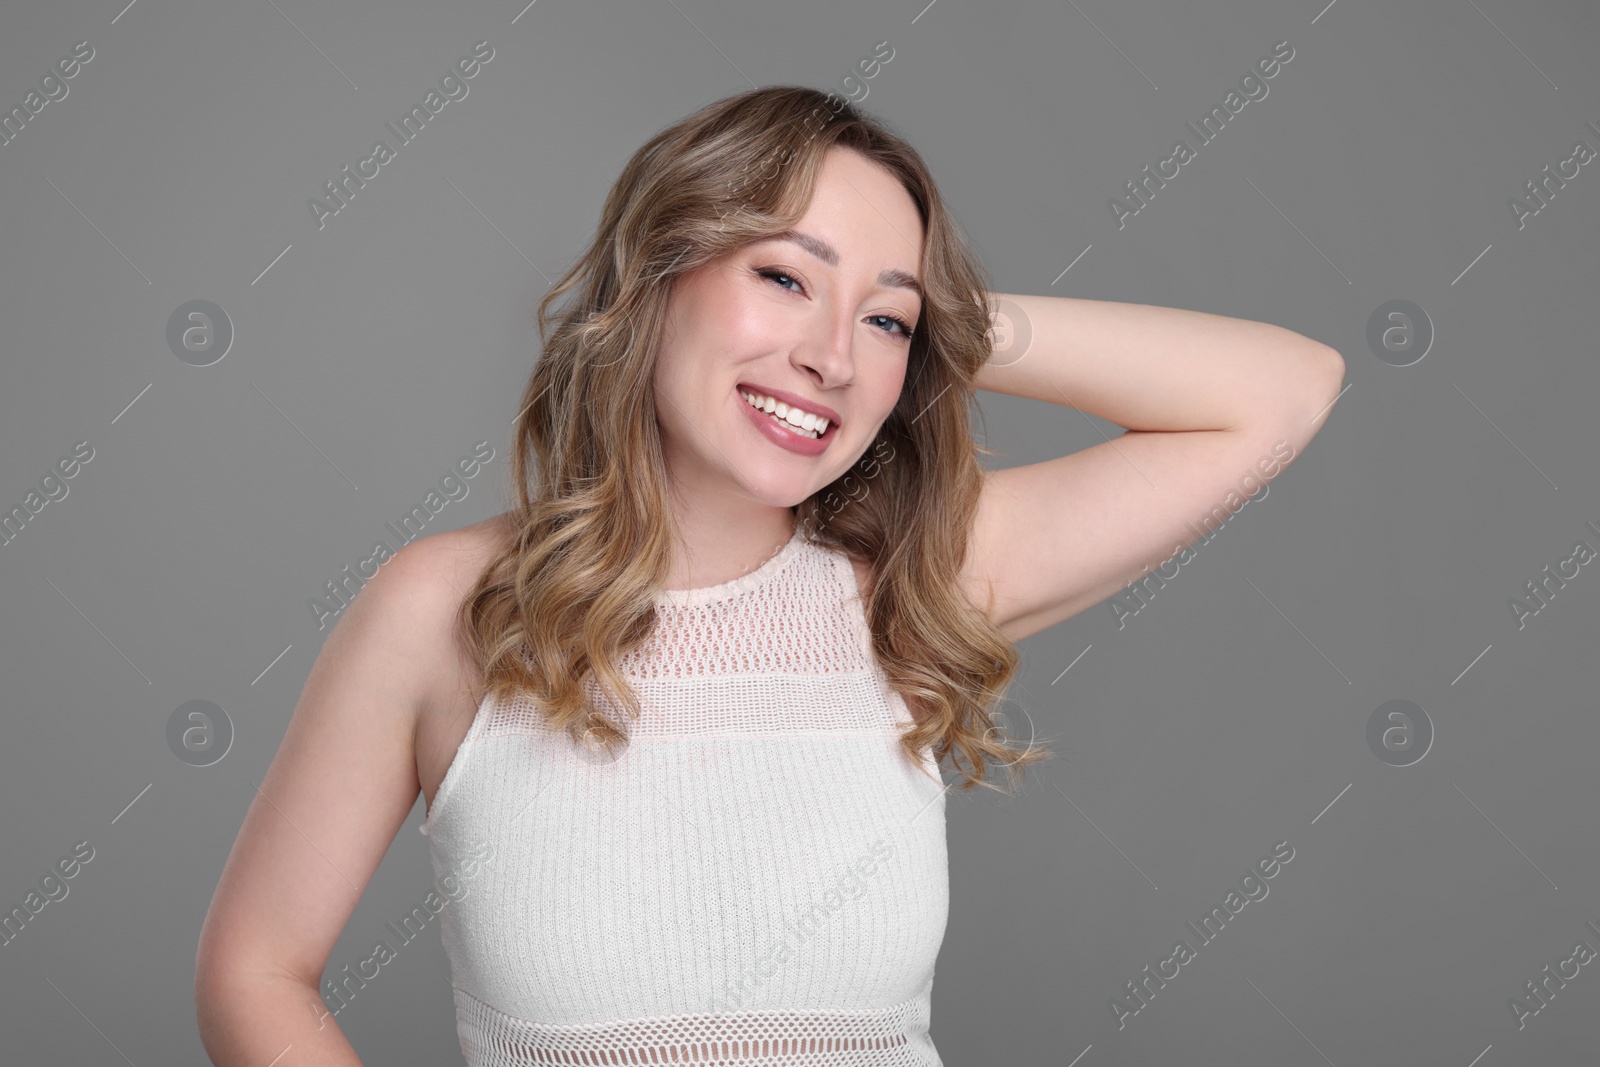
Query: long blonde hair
point(575, 587)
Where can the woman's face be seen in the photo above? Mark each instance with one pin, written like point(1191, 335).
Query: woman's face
point(807, 321)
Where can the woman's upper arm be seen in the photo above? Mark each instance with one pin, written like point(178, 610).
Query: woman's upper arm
point(343, 781)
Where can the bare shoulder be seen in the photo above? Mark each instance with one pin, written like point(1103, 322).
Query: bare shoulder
point(428, 579)
point(443, 566)
point(438, 573)
point(347, 766)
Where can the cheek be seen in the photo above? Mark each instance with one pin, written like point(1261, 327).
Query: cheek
point(668, 385)
point(891, 387)
point(674, 368)
point(743, 327)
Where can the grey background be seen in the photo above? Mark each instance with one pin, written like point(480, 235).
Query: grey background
point(1228, 715)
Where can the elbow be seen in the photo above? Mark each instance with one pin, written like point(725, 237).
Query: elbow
point(1323, 382)
point(1329, 376)
point(1298, 401)
point(215, 990)
point(1330, 365)
point(1317, 380)
point(226, 978)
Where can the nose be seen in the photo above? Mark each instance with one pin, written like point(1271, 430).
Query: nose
point(829, 356)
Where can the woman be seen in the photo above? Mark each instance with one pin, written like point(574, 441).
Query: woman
point(678, 715)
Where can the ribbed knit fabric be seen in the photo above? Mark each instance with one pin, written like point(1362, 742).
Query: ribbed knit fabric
point(759, 879)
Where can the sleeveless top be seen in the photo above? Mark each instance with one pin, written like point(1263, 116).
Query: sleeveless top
point(758, 878)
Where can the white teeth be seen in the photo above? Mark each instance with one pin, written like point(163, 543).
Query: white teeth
point(804, 423)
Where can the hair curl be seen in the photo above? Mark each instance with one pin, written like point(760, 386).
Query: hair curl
point(575, 587)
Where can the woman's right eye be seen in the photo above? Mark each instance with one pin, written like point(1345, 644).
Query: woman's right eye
point(774, 274)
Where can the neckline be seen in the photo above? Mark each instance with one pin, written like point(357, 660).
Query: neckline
point(706, 594)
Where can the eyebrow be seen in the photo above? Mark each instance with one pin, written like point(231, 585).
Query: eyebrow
point(889, 278)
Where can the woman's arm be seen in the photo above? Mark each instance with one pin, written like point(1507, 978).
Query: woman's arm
point(342, 783)
point(242, 1017)
point(1155, 368)
point(1215, 408)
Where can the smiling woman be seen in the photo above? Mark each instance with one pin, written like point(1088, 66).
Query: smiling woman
point(694, 689)
point(662, 640)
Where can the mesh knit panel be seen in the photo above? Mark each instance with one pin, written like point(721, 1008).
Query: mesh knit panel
point(758, 878)
point(889, 1037)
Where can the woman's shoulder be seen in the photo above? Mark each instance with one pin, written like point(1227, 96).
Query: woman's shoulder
point(426, 582)
point(445, 564)
point(454, 554)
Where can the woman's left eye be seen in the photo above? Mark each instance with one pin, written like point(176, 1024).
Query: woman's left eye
point(774, 276)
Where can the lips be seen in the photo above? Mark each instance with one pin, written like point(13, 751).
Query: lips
point(794, 400)
point(778, 432)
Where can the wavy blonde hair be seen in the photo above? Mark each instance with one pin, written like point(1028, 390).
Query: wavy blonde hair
point(575, 587)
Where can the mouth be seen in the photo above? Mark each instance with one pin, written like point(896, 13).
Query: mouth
point(798, 420)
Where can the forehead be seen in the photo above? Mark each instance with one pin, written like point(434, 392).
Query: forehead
point(856, 196)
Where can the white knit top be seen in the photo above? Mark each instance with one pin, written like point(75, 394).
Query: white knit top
point(759, 879)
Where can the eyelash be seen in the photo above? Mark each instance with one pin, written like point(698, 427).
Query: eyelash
point(773, 274)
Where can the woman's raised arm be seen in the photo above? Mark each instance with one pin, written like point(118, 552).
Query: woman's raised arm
point(1214, 407)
